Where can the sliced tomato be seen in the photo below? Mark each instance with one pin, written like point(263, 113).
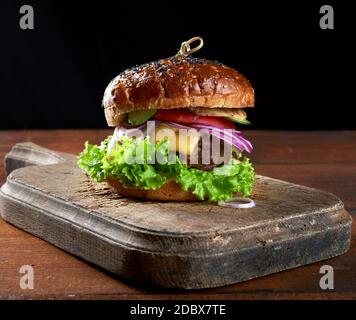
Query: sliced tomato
point(186, 116)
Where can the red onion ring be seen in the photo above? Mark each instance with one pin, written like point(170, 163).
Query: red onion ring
point(237, 140)
point(244, 203)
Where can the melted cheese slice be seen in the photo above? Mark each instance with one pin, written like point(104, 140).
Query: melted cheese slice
point(180, 140)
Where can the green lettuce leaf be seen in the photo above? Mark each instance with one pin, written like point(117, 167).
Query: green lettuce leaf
point(132, 163)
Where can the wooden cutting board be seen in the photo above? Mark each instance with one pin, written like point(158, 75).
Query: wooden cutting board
point(177, 245)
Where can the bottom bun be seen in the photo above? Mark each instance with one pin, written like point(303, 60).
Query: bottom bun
point(170, 191)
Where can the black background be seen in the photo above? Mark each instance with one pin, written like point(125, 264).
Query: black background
point(54, 76)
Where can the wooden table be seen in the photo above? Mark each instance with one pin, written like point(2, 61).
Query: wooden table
point(324, 160)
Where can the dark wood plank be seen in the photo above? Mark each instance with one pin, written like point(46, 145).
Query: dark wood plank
point(60, 275)
point(288, 147)
point(339, 179)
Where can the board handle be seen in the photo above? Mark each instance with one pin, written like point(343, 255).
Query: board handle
point(26, 154)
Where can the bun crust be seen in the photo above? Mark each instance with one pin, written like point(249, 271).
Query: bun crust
point(170, 191)
point(176, 83)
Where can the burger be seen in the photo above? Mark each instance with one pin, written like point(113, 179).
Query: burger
point(167, 115)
